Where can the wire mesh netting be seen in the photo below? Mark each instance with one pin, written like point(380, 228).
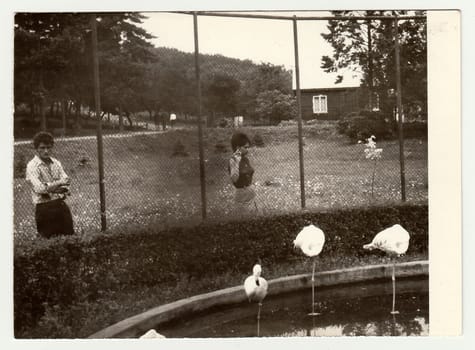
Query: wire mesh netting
point(152, 163)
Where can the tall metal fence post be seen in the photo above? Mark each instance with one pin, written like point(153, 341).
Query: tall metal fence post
point(399, 111)
point(200, 126)
point(97, 99)
point(299, 114)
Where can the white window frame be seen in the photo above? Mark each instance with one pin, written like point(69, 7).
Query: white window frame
point(320, 104)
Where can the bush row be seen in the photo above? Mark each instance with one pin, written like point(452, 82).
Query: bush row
point(360, 126)
point(69, 270)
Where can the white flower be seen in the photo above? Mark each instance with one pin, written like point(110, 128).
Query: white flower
point(371, 151)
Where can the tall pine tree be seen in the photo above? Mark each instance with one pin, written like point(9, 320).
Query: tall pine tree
point(368, 47)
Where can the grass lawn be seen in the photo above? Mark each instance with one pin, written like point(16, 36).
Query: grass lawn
point(145, 183)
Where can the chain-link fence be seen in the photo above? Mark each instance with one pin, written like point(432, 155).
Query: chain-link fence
point(152, 164)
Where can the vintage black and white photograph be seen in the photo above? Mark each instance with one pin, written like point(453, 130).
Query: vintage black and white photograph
point(221, 174)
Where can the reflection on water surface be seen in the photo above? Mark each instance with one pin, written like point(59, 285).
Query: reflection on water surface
point(352, 310)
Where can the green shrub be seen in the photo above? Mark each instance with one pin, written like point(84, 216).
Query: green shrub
point(257, 140)
point(179, 150)
point(68, 271)
point(276, 106)
point(360, 126)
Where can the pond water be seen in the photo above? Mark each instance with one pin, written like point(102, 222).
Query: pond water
point(346, 310)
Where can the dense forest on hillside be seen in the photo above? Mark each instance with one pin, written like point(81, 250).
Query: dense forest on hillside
point(53, 73)
point(53, 79)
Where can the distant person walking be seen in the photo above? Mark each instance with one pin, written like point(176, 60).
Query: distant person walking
point(172, 119)
point(50, 186)
point(241, 173)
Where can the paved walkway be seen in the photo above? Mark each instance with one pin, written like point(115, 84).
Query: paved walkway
point(105, 136)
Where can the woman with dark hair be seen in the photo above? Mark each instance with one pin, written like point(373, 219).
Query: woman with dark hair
point(241, 173)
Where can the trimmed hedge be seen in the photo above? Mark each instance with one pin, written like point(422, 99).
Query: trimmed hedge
point(69, 270)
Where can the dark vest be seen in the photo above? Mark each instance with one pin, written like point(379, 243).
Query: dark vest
point(246, 171)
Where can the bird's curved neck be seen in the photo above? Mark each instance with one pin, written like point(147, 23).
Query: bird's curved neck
point(257, 280)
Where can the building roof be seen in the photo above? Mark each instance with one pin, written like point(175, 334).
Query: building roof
point(320, 80)
point(329, 89)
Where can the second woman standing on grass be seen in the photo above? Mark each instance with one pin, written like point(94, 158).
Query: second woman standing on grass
point(241, 172)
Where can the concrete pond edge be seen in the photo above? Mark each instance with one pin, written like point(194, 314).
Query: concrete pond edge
point(141, 323)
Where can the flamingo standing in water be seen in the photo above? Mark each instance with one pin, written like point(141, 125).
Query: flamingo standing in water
point(394, 241)
point(311, 240)
point(255, 287)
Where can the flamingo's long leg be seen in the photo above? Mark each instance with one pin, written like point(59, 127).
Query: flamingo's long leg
point(258, 318)
point(394, 312)
point(313, 290)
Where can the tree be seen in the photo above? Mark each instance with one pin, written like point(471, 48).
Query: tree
point(275, 106)
point(271, 77)
point(266, 77)
point(169, 83)
point(45, 44)
point(124, 54)
point(221, 91)
point(53, 60)
point(368, 47)
point(229, 85)
point(221, 95)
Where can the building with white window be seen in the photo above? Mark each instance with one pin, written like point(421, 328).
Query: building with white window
point(320, 105)
point(333, 102)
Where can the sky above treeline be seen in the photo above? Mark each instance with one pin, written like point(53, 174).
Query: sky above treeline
point(259, 40)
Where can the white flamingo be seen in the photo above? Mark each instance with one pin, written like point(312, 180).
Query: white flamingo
point(311, 240)
point(152, 333)
point(394, 241)
point(255, 287)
